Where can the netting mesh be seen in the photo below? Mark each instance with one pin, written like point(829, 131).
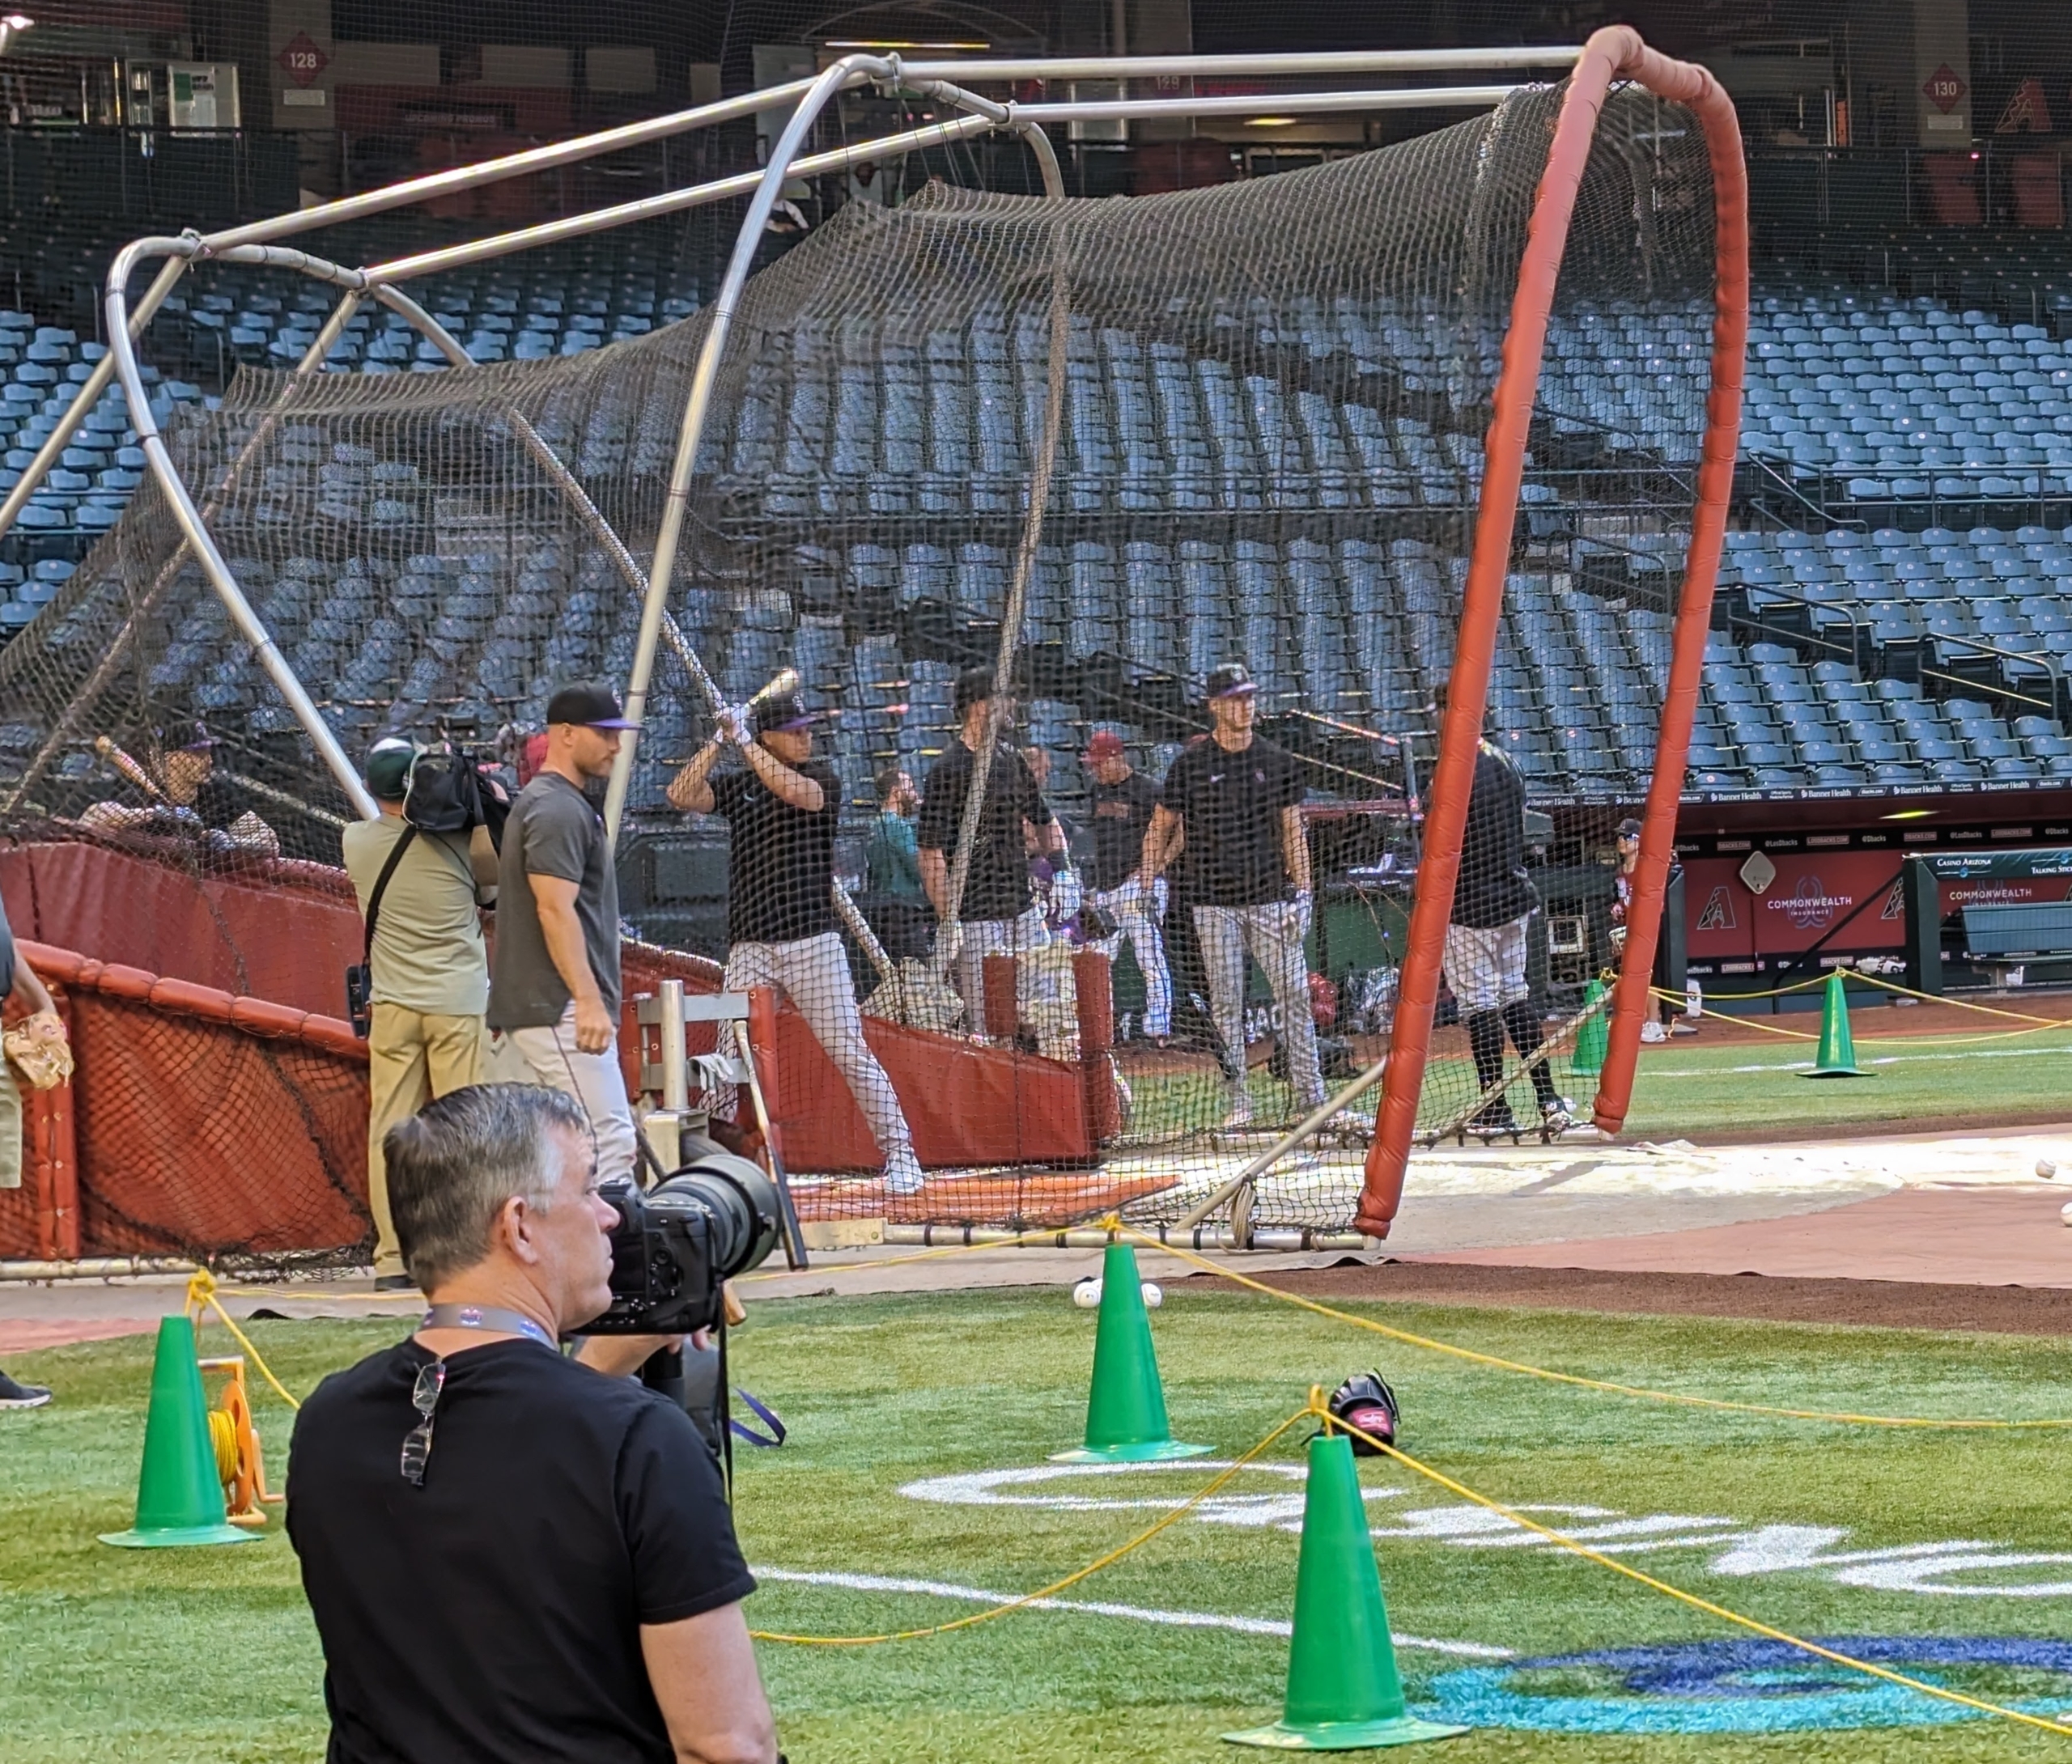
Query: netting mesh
point(1269, 453)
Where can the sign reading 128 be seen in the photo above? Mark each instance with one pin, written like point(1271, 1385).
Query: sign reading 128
point(302, 60)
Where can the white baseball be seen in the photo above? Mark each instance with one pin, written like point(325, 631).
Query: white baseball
point(1154, 1294)
point(1087, 1294)
point(2065, 1212)
point(2045, 1168)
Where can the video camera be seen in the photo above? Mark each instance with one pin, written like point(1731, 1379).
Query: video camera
point(452, 791)
point(678, 1242)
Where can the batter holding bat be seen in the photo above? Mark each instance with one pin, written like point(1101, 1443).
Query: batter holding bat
point(784, 808)
point(191, 798)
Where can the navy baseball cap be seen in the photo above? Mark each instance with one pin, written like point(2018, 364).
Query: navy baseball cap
point(785, 713)
point(1232, 679)
point(974, 685)
point(591, 703)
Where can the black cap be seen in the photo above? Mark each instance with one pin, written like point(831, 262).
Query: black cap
point(974, 685)
point(1232, 680)
point(186, 738)
point(590, 702)
point(1629, 829)
point(783, 713)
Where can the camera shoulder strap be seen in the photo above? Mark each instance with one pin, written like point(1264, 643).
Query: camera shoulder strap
point(380, 888)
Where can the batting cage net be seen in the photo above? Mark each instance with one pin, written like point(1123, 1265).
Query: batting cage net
point(1194, 477)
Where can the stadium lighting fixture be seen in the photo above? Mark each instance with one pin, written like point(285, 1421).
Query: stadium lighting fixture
point(1269, 122)
point(12, 25)
point(1909, 814)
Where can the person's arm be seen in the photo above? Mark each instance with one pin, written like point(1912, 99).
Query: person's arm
point(30, 990)
point(690, 791)
point(935, 879)
point(482, 864)
point(794, 788)
point(1295, 849)
point(1164, 840)
point(702, 1672)
point(562, 933)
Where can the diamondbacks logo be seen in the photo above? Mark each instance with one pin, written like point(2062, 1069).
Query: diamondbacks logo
point(1718, 912)
point(1896, 902)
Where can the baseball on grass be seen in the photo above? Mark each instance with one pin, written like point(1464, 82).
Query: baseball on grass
point(1086, 1295)
point(1154, 1294)
point(2045, 1168)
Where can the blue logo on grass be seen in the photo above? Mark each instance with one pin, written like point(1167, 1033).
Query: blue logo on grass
point(1756, 1686)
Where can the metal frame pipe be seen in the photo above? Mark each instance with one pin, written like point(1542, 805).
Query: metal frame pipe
point(198, 537)
point(84, 400)
point(1291, 103)
point(1257, 66)
point(312, 358)
point(704, 375)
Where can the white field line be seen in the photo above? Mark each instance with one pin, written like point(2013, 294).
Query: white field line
point(1879, 1059)
point(1244, 1625)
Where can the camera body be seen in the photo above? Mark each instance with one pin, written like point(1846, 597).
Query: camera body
point(678, 1242)
point(452, 791)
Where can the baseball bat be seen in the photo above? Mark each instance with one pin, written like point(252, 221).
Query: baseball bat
point(105, 747)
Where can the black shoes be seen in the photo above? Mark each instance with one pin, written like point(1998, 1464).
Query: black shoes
point(15, 1395)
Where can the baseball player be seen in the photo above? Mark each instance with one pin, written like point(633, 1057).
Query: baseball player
point(1230, 803)
point(1494, 901)
point(997, 915)
point(784, 808)
point(1121, 804)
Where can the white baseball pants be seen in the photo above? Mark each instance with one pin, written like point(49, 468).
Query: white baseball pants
point(1485, 967)
point(813, 974)
point(550, 1057)
point(1272, 934)
point(1137, 911)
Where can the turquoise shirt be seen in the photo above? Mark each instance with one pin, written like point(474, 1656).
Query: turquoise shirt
point(892, 861)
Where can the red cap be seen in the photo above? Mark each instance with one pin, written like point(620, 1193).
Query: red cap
point(1105, 745)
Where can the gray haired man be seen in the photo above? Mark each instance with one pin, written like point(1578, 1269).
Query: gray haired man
point(509, 1557)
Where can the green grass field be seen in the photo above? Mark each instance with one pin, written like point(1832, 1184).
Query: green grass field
point(209, 1655)
point(1686, 1089)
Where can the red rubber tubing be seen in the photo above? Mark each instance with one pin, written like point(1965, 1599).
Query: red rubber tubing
point(1610, 54)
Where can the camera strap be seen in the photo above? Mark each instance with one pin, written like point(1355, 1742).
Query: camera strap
point(380, 888)
point(487, 1317)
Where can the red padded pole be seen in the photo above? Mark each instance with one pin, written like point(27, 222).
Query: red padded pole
point(1610, 54)
point(1631, 999)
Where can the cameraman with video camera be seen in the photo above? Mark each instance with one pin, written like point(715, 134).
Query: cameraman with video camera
point(509, 1556)
point(425, 972)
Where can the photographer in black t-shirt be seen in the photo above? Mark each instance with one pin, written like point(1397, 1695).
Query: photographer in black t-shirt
point(512, 1558)
point(780, 898)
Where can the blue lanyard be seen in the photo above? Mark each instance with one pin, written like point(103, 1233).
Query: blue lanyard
point(489, 1317)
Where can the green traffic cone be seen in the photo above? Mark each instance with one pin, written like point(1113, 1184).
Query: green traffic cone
point(180, 1499)
point(1588, 1059)
point(1837, 1057)
point(1343, 1692)
point(1126, 1409)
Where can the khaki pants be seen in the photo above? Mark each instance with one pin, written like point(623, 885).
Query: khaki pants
point(10, 1126)
point(412, 1056)
point(549, 1056)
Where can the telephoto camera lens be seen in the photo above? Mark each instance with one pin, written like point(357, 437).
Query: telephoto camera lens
point(677, 1242)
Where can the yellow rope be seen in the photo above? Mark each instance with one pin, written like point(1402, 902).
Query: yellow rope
point(201, 1295)
point(2034, 1025)
point(1035, 1235)
point(1055, 1586)
point(1692, 1599)
point(1965, 1004)
point(1500, 1364)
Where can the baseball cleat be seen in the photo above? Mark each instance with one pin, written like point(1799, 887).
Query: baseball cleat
point(902, 1173)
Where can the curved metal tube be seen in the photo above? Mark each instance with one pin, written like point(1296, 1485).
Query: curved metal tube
point(1042, 470)
point(312, 358)
point(184, 511)
point(704, 375)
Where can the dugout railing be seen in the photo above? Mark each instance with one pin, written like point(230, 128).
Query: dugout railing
point(1613, 55)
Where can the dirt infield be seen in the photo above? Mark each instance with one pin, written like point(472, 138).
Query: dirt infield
point(1888, 1304)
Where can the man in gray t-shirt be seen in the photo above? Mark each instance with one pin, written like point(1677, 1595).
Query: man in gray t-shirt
point(554, 990)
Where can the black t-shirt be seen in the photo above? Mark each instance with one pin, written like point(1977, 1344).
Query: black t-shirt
point(998, 885)
point(1120, 814)
point(494, 1613)
point(780, 883)
point(1231, 805)
point(1493, 888)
